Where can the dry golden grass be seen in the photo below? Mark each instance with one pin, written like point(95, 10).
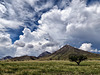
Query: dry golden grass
point(89, 67)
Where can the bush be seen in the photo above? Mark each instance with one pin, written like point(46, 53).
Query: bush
point(77, 58)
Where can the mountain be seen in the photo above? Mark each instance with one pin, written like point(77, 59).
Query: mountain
point(46, 53)
point(64, 52)
point(23, 58)
point(7, 57)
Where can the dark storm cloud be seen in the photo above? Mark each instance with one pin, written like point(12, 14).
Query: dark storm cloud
point(30, 46)
point(19, 44)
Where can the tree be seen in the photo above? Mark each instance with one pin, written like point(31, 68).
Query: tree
point(77, 58)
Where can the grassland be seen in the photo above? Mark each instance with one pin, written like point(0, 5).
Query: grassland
point(49, 68)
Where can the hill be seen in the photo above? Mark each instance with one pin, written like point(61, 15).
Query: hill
point(23, 58)
point(64, 52)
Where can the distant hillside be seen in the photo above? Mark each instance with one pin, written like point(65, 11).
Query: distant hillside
point(64, 52)
point(23, 58)
point(46, 53)
point(7, 57)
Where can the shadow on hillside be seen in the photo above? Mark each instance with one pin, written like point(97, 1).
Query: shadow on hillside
point(78, 65)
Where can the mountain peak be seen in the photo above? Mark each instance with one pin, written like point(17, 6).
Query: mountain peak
point(65, 51)
point(44, 54)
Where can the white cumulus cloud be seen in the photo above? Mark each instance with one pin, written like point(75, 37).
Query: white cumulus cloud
point(6, 47)
point(59, 27)
point(74, 24)
point(88, 47)
point(36, 42)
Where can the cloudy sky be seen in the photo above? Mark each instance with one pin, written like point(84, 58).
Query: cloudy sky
point(30, 27)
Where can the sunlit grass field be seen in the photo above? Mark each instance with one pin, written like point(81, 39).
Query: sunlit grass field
point(89, 67)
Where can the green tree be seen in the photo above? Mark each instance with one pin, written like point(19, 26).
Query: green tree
point(77, 58)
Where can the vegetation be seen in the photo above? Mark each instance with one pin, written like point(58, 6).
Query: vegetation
point(77, 58)
point(30, 65)
point(49, 68)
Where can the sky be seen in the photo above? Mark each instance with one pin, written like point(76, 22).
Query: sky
point(30, 27)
